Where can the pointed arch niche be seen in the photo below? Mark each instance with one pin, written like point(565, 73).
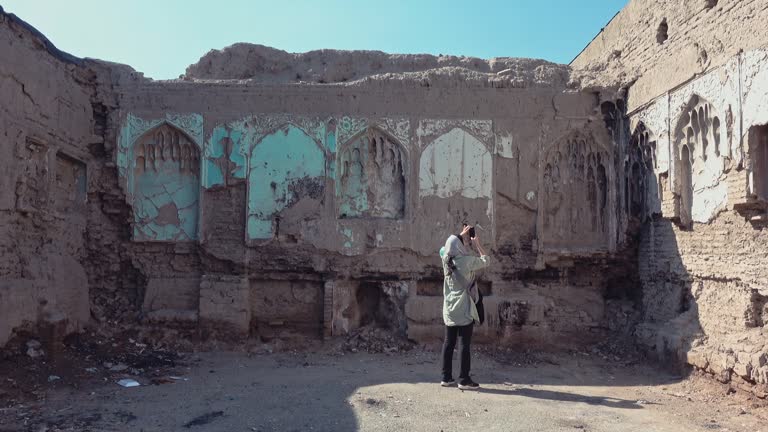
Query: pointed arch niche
point(166, 185)
point(698, 145)
point(575, 194)
point(371, 180)
point(641, 187)
point(284, 167)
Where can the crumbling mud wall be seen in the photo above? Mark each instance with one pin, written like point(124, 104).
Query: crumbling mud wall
point(695, 176)
point(702, 261)
point(46, 120)
point(294, 201)
point(656, 45)
point(320, 207)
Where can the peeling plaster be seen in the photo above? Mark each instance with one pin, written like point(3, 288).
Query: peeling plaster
point(225, 156)
point(163, 196)
point(134, 127)
point(708, 171)
point(505, 146)
point(456, 163)
point(754, 89)
point(399, 128)
point(285, 166)
point(722, 89)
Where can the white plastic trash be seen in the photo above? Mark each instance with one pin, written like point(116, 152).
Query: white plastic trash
point(128, 383)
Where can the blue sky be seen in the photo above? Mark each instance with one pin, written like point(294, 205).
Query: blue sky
point(162, 37)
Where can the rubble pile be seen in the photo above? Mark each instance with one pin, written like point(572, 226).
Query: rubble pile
point(375, 340)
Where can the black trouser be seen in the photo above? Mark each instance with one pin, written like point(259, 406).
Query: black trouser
point(464, 334)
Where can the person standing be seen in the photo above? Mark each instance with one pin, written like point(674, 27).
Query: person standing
point(460, 294)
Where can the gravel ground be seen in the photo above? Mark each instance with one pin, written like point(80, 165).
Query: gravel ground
point(330, 390)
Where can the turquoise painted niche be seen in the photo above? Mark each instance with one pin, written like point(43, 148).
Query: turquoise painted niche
point(284, 167)
point(166, 186)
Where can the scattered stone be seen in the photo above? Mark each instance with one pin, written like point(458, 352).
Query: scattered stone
point(375, 340)
point(204, 419)
point(118, 367)
point(34, 349)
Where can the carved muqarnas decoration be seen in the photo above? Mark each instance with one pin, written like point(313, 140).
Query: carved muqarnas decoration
point(372, 177)
point(639, 172)
point(166, 185)
point(575, 192)
point(698, 138)
point(166, 144)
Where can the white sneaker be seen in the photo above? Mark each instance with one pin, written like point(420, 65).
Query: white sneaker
point(448, 383)
point(468, 384)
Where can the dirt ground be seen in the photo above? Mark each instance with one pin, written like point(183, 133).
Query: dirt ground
point(325, 388)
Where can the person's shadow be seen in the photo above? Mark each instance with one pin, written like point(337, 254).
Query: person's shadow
point(610, 402)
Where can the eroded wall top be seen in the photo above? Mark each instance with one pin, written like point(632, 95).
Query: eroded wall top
point(244, 61)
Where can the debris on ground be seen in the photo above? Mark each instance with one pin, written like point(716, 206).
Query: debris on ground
point(375, 340)
point(513, 356)
point(204, 419)
point(34, 349)
point(128, 383)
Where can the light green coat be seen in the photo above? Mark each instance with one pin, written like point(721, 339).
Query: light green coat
point(458, 307)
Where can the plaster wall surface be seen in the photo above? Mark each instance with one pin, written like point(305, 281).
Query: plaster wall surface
point(702, 268)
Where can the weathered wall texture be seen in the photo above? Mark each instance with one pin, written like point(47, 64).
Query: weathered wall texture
point(696, 172)
point(45, 121)
point(306, 195)
point(656, 45)
point(322, 207)
point(705, 286)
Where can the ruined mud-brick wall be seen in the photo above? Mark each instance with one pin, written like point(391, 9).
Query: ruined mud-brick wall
point(658, 44)
point(45, 125)
point(275, 201)
point(64, 217)
point(308, 194)
point(697, 173)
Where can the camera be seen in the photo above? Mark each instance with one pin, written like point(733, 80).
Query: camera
point(472, 232)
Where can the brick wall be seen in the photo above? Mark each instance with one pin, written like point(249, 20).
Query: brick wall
point(699, 39)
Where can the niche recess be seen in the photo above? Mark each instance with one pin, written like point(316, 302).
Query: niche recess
point(70, 184)
point(759, 136)
point(575, 194)
point(662, 32)
point(697, 138)
point(371, 177)
point(639, 173)
point(166, 185)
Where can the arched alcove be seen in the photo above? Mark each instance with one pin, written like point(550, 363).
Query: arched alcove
point(371, 182)
point(456, 163)
point(686, 186)
point(639, 174)
point(166, 185)
point(698, 132)
point(285, 167)
point(575, 193)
